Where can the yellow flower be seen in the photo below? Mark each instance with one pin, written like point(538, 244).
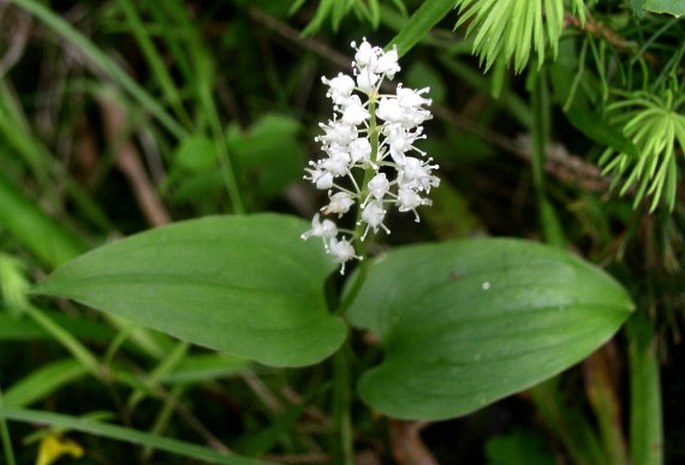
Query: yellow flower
point(53, 446)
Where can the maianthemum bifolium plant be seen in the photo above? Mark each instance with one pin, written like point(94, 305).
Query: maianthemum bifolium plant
point(461, 324)
point(379, 338)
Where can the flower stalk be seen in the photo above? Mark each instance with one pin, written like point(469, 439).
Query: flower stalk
point(376, 136)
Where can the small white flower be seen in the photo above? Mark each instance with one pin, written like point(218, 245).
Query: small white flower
point(411, 99)
point(366, 80)
point(340, 203)
point(360, 149)
point(373, 215)
point(405, 107)
point(389, 110)
point(417, 173)
point(337, 133)
point(340, 87)
point(409, 200)
point(387, 63)
point(366, 55)
point(379, 186)
point(325, 229)
point(337, 163)
point(342, 252)
point(400, 143)
point(354, 112)
point(400, 140)
point(321, 178)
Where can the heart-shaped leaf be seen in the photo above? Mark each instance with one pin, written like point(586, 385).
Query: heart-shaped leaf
point(464, 324)
point(246, 285)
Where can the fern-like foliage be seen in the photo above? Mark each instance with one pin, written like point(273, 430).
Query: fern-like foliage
point(512, 29)
point(656, 125)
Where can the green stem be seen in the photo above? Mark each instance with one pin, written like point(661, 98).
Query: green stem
point(549, 222)
point(605, 403)
point(154, 378)
point(344, 450)
point(369, 173)
point(345, 453)
point(359, 278)
point(69, 342)
point(342, 391)
point(227, 163)
point(163, 417)
point(569, 424)
point(360, 246)
point(5, 438)
point(646, 429)
point(540, 130)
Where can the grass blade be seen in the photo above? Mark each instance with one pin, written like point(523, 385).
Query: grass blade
point(420, 23)
point(154, 59)
point(102, 62)
point(5, 439)
point(129, 435)
point(43, 381)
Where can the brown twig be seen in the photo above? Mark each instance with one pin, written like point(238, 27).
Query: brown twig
point(199, 427)
point(294, 36)
point(407, 446)
point(128, 161)
point(566, 167)
point(599, 30)
point(16, 34)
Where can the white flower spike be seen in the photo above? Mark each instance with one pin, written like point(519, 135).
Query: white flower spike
point(372, 136)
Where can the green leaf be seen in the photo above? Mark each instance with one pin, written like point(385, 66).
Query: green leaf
point(673, 7)
point(42, 382)
point(269, 155)
point(520, 447)
point(636, 6)
point(46, 238)
point(511, 29)
point(322, 12)
point(245, 285)
point(196, 154)
point(195, 173)
point(463, 324)
point(421, 22)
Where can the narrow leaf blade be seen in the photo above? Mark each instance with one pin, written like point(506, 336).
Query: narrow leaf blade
point(130, 435)
point(421, 22)
point(46, 238)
